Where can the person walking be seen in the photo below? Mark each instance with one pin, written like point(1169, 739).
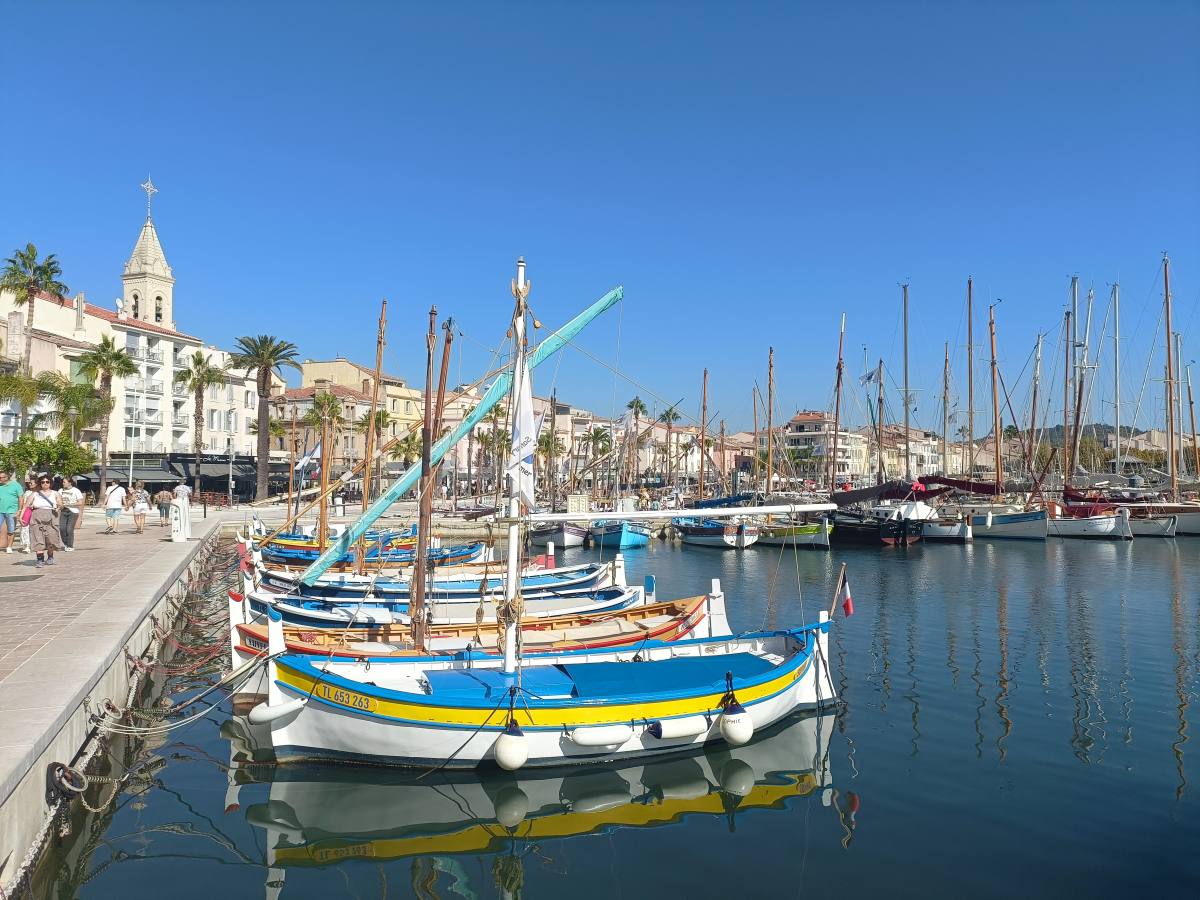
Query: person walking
point(140, 501)
point(10, 506)
point(26, 502)
point(43, 524)
point(72, 513)
point(114, 502)
point(163, 500)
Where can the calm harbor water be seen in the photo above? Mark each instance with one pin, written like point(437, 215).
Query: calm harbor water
point(1017, 718)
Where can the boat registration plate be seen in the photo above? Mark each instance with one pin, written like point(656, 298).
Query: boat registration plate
point(335, 853)
point(345, 698)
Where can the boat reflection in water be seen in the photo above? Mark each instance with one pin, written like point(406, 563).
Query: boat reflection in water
point(324, 815)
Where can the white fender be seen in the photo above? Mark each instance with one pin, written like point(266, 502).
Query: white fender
point(271, 712)
point(736, 725)
point(681, 727)
point(988, 523)
point(619, 571)
point(511, 748)
point(600, 735)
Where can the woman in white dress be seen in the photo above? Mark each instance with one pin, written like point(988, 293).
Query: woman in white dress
point(140, 501)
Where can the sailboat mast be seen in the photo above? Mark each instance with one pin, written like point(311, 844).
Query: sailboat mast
point(879, 424)
point(837, 408)
point(1182, 454)
point(907, 402)
point(1066, 435)
point(1192, 415)
point(1116, 299)
point(425, 493)
point(970, 379)
point(1170, 382)
point(754, 406)
point(946, 413)
point(372, 425)
point(1081, 370)
point(703, 432)
point(551, 473)
point(1037, 378)
point(520, 291)
point(995, 402)
point(770, 419)
point(724, 466)
point(292, 460)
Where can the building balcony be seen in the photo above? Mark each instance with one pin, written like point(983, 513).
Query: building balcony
point(153, 417)
point(180, 422)
point(140, 446)
point(179, 390)
point(133, 415)
point(154, 356)
point(181, 447)
point(154, 387)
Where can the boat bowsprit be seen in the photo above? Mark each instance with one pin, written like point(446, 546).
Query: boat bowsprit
point(567, 708)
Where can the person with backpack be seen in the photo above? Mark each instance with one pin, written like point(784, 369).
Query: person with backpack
point(114, 503)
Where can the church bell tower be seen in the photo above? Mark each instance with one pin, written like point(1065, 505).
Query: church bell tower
point(148, 282)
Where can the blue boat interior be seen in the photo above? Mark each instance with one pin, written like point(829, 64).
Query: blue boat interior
point(612, 681)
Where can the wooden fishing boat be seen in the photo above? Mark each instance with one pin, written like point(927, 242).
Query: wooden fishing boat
point(316, 816)
point(320, 612)
point(1029, 526)
point(1153, 526)
point(796, 534)
point(463, 644)
point(436, 555)
point(620, 535)
point(560, 709)
point(709, 533)
point(946, 530)
point(866, 530)
point(538, 582)
point(561, 534)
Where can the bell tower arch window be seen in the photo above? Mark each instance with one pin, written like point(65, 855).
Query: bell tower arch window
point(158, 312)
point(136, 305)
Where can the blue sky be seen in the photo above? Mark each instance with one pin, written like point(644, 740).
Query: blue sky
point(747, 171)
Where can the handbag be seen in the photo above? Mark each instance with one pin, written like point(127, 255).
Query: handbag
point(26, 515)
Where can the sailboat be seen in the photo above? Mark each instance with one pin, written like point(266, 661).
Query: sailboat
point(736, 535)
point(561, 708)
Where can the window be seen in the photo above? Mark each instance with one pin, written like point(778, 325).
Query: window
point(408, 407)
point(135, 305)
point(229, 393)
point(249, 401)
point(249, 422)
point(395, 405)
point(158, 309)
point(212, 392)
point(231, 421)
point(212, 419)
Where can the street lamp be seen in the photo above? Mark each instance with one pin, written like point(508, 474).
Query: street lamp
point(72, 413)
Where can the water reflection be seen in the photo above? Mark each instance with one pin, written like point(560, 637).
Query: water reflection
point(316, 816)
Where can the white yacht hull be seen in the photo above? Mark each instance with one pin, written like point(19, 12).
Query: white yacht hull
point(1112, 528)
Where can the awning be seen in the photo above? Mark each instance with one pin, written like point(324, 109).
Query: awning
point(140, 473)
point(241, 470)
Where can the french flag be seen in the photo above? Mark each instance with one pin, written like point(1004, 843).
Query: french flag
point(847, 600)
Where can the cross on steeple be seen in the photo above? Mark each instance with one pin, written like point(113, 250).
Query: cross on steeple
point(150, 190)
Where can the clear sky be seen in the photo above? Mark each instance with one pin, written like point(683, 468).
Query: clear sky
point(747, 171)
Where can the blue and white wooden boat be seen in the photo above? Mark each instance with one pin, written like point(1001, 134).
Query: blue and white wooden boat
point(560, 709)
point(350, 586)
point(461, 553)
point(558, 534)
point(1029, 526)
point(620, 535)
point(319, 612)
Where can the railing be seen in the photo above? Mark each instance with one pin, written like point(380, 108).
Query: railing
point(135, 352)
point(179, 390)
point(153, 417)
point(182, 448)
point(154, 387)
point(153, 355)
point(143, 446)
point(179, 421)
point(179, 361)
point(135, 384)
point(133, 415)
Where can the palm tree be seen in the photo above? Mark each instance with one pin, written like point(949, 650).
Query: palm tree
point(264, 356)
point(275, 428)
point(670, 416)
point(326, 409)
point(198, 377)
point(638, 408)
point(407, 448)
point(382, 420)
point(71, 405)
point(24, 392)
point(549, 445)
point(598, 441)
point(106, 361)
point(26, 277)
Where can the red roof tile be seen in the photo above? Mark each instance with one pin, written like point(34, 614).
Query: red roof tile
point(109, 315)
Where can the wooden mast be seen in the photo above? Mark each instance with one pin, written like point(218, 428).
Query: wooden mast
point(837, 408)
point(907, 402)
point(770, 419)
point(946, 412)
point(970, 381)
point(1181, 452)
point(1037, 377)
point(703, 434)
point(425, 508)
point(369, 452)
point(292, 460)
point(326, 455)
point(553, 439)
point(1171, 468)
point(724, 462)
point(995, 402)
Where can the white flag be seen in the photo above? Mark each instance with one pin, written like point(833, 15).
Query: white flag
point(308, 458)
point(524, 442)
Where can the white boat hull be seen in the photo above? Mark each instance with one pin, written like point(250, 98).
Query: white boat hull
point(796, 536)
point(1187, 522)
point(564, 535)
point(946, 530)
point(1112, 528)
point(1154, 526)
point(1010, 526)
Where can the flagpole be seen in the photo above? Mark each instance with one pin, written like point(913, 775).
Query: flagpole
point(837, 590)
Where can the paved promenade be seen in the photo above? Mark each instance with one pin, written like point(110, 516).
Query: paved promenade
point(61, 627)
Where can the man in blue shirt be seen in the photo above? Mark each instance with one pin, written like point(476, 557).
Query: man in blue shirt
point(11, 492)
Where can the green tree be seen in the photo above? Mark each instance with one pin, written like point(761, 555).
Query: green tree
point(407, 449)
point(26, 276)
point(549, 445)
point(199, 375)
point(275, 428)
point(638, 408)
point(25, 392)
point(104, 362)
point(72, 407)
point(263, 356)
point(57, 455)
point(326, 409)
point(669, 417)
